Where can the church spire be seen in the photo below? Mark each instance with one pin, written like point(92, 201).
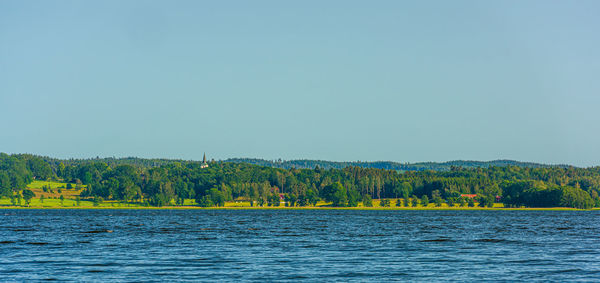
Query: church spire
point(204, 164)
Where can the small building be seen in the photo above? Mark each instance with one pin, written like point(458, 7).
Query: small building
point(468, 195)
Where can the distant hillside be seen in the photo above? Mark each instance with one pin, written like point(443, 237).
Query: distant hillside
point(110, 161)
point(389, 165)
point(305, 163)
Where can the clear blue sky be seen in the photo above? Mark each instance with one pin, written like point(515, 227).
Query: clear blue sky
point(337, 80)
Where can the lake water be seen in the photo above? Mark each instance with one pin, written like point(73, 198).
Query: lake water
point(291, 245)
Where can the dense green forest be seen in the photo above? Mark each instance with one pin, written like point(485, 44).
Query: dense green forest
point(311, 164)
point(161, 182)
point(389, 165)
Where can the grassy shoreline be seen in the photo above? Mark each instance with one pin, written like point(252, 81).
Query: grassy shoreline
point(304, 208)
point(54, 190)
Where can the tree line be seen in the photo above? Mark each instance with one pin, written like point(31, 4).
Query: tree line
point(420, 166)
point(163, 182)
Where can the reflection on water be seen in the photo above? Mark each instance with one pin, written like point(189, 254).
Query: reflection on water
point(311, 245)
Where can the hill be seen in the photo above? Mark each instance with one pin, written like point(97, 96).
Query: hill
point(160, 182)
point(305, 163)
point(390, 165)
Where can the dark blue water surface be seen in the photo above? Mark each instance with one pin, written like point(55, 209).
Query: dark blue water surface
point(290, 245)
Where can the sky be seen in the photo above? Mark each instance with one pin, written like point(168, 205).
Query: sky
point(404, 81)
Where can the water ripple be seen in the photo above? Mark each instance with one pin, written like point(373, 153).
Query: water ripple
point(272, 245)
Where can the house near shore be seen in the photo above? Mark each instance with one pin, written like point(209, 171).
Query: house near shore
point(468, 195)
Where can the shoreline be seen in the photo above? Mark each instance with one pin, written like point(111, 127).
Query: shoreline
point(305, 208)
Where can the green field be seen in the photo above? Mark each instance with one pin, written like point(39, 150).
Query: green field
point(56, 189)
point(52, 198)
point(54, 185)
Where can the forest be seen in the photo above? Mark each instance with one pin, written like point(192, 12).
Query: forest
point(420, 166)
point(162, 182)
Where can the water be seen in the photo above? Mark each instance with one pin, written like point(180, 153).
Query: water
point(307, 245)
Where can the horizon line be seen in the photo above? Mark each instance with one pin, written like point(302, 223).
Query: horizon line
point(305, 159)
